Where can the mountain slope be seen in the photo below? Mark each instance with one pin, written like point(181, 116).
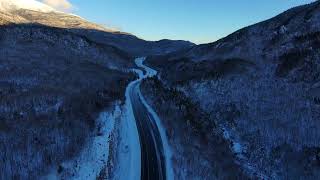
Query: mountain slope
point(257, 39)
point(53, 85)
point(58, 72)
point(34, 12)
point(259, 86)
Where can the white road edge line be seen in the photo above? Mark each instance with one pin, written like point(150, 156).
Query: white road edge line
point(166, 147)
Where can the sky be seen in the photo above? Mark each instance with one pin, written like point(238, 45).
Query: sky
point(199, 21)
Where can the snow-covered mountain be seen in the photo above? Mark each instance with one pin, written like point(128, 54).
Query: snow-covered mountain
point(57, 73)
point(13, 5)
point(259, 87)
point(34, 12)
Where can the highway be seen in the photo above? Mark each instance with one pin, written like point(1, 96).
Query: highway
point(152, 154)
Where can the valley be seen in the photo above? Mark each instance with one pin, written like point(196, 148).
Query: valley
point(79, 100)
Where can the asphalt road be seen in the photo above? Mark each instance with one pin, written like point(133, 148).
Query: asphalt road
point(152, 156)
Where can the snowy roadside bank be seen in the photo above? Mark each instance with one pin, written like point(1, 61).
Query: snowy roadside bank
point(129, 151)
point(93, 159)
point(114, 152)
point(166, 147)
point(129, 154)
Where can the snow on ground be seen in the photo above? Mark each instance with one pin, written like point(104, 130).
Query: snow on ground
point(236, 145)
point(150, 72)
point(238, 148)
point(166, 147)
point(129, 162)
point(129, 155)
point(33, 5)
point(94, 157)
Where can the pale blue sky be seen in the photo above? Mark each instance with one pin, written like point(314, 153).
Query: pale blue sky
point(200, 21)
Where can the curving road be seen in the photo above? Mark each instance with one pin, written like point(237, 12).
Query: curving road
point(152, 155)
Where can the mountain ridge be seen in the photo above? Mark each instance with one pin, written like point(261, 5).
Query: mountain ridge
point(259, 86)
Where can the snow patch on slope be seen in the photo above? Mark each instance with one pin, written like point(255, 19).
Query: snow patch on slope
point(12, 5)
